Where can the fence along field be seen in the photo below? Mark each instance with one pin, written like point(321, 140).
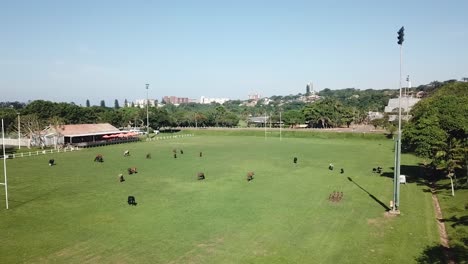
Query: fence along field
point(77, 210)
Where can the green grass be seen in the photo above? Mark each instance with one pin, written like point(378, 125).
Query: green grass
point(455, 215)
point(76, 211)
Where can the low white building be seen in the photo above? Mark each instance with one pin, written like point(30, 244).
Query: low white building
point(142, 102)
point(207, 100)
point(374, 115)
point(407, 104)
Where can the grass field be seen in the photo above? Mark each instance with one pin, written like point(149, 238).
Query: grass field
point(77, 212)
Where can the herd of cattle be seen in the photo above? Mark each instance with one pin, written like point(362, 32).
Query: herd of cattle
point(333, 197)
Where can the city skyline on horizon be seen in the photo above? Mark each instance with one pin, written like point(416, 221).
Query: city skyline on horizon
point(70, 52)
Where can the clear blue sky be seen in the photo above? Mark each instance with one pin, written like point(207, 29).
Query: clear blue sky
point(106, 50)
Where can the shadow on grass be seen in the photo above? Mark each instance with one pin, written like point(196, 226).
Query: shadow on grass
point(18, 203)
point(456, 221)
point(414, 174)
point(438, 254)
point(371, 195)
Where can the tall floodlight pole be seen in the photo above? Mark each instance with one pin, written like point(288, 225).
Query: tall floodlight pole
point(19, 131)
point(396, 193)
point(147, 114)
point(4, 167)
point(264, 124)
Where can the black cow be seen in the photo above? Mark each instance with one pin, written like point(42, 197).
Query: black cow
point(98, 158)
point(131, 200)
point(201, 176)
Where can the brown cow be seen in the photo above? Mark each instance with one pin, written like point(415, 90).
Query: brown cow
point(250, 175)
point(132, 170)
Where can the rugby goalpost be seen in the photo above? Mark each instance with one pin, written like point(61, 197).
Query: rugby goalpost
point(4, 166)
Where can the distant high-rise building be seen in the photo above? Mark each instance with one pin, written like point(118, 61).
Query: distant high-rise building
point(309, 89)
point(254, 96)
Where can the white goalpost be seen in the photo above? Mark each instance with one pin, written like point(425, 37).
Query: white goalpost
point(4, 166)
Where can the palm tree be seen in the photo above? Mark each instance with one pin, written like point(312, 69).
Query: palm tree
point(449, 158)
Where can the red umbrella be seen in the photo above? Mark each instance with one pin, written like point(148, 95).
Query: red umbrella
point(132, 134)
point(106, 136)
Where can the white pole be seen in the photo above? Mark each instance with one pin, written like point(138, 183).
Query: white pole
point(147, 115)
point(280, 124)
point(4, 166)
point(264, 125)
point(407, 100)
point(270, 120)
point(19, 132)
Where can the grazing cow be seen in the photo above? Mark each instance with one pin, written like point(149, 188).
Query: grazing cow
point(131, 200)
point(330, 167)
point(201, 176)
point(98, 158)
point(250, 175)
point(127, 153)
point(121, 177)
point(342, 171)
point(132, 170)
point(295, 160)
point(51, 162)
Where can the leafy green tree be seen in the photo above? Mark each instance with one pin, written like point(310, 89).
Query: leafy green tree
point(293, 117)
point(9, 116)
point(116, 104)
point(439, 127)
point(87, 103)
point(159, 117)
point(43, 109)
point(325, 113)
point(103, 103)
